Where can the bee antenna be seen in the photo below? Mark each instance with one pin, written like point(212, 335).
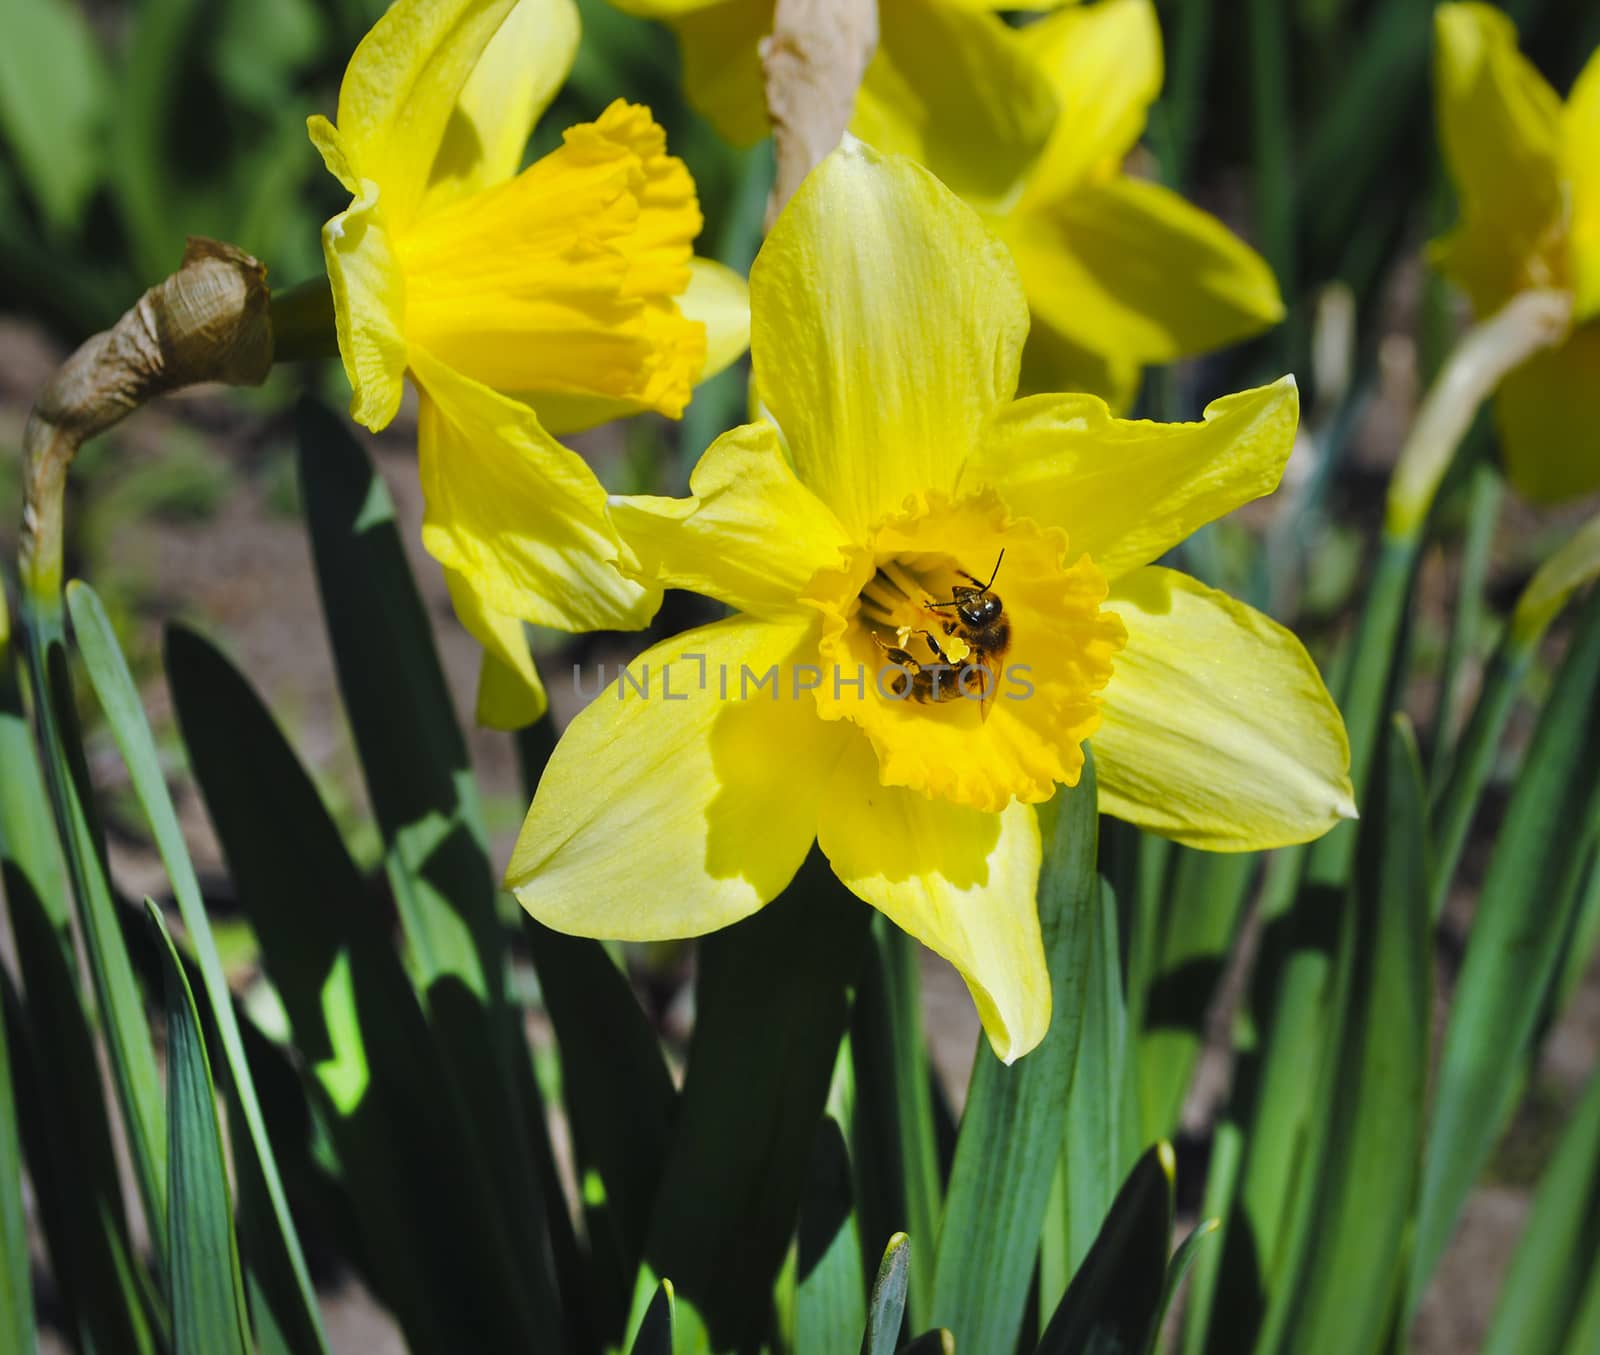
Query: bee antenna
point(995, 572)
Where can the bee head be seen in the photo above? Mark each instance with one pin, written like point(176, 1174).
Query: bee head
point(977, 607)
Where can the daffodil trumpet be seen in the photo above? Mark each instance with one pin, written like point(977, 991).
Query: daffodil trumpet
point(887, 333)
point(521, 302)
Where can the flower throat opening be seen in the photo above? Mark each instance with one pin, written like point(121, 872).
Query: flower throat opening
point(947, 634)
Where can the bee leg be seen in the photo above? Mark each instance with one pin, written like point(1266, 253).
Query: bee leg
point(933, 644)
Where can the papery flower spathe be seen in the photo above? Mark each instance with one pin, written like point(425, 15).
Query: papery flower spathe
point(1527, 171)
point(887, 330)
point(1031, 127)
point(520, 303)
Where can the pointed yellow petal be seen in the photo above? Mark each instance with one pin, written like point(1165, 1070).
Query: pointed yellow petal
point(369, 293)
point(1128, 268)
point(683, 809)
point(1500, 125)
point(1217, 730)
point(1053, 362)
point(563, 281)
point(719, 44)
point(1549, 432)
point(721, 47)
point(886, 322)
point(516, 512)
point(962, 881)
point(956, 91)
point(750, 535)
point(1128, 490)
point(401, 88)
point(510, 692)
point(1581, 147)
point(1105, 64)
point(512, 83)
point(719, 299)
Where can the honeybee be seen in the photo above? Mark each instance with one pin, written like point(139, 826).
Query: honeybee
point(981, 623)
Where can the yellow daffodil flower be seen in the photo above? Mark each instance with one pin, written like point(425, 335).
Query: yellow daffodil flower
point(887, 333)
point(1031, 127)
point(518, 302)
point(1527, 171)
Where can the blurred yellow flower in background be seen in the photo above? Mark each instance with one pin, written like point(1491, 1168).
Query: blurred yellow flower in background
point(520, 303)
point(887, 333)
point(1527, 171)
point(1031, 127)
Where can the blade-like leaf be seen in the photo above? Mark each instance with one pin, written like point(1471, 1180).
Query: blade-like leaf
point(1555, 1261)
point(428, 1219)
point(207, 1289)
point(99, 1278)
point(1364, 1156)
point(52, 102)
point(1098, 1128)
point(894, 1135)
point(1015, 1119)
point(1182, 1262)
point(886, 1310)
point(117, 997)
point(119, 700)
point(655, 1332)
point(1199, 920)
point(16, 1284)
point(615, 1084)
point(1115, 1300)
point(830, 1303)
point(772, 1005)
point(1524, 914)
point(436, 856)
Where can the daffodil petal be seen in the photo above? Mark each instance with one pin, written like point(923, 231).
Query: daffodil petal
point(1054, 362)
point(680, 811)
point(962, 881)
point(1127, 490)
point(957, 91)
point(513, 82)
point(1581, 144)
point(750, 534)
point(886, 323)
point(1128, 267)
point(1104, 62)
point(1545, 409)
point(1217, 730)
point(516, 512)
point(369, 295)
point(401, 89)
point(720, 47)
point(1500, 127)
point(719, 299)
point(510, 691)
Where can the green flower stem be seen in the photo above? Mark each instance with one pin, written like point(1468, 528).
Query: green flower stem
point(303, 325)
point(1576, 564)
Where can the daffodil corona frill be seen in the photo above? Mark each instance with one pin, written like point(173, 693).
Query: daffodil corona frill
point(893, 687)
point(518, 302)
point(1527, 171)
point(1031, 127)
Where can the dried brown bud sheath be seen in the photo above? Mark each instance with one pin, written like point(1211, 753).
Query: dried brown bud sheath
point(209, 321)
